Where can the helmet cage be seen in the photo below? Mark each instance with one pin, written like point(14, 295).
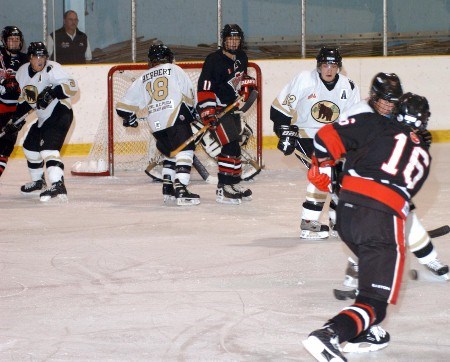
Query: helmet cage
point(231, 30)
point(9, 31)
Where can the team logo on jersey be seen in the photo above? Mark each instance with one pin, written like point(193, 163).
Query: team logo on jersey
point(30, 93)
point(236, 81)
point(415, 138)
point(325, 112)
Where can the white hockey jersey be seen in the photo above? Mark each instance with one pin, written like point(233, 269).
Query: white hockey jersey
point(310, 105)
point(53, 75)
point(161, 90)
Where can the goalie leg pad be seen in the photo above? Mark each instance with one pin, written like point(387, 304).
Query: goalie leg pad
point(210, 144)
point(228, 130)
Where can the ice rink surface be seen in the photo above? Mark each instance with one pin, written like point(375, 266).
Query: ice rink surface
point(114, 275)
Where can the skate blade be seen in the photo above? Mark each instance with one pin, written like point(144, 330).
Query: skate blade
point(32, 194)
point(363, 347)
point(313, 235)
point(188, 202)
point(227, 201)
point(247, 198)
point(57, 198)
point(319, 351)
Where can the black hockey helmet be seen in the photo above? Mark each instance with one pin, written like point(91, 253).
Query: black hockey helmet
point(232, 30)
point(329, 56)
point(37, 49)
point(12, 31)
point(413, 110)
point(386, 86)
point(159, 53)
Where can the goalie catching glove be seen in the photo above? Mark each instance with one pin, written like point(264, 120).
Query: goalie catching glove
point(321, 174)
point(288, 135)
point(247, 86)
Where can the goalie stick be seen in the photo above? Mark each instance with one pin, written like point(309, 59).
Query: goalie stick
point(250, 100)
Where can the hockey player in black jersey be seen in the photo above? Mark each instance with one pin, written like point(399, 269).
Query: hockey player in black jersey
point(223, 78)
point(46, 88)
point(11, 58)
point(387, 163)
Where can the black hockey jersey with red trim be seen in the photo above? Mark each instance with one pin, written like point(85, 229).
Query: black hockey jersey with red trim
point(386, 161)
point(8, 67)
point(221, 78)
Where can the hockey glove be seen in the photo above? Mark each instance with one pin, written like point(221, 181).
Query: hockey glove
point(321, 180)
point(11, 127)
point(247, 86)
point(9, 86)
point(426, 136)
point(131, 121)
point(209, 117)
point(288, 136)
point(45, 97)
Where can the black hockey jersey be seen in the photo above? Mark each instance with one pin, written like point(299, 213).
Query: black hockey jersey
point(9, 64)
point(220, 80)
point(386, 161)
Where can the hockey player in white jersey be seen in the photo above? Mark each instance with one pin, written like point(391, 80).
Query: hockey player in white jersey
point(45, 87)
point(308, 102)
point(166, 91)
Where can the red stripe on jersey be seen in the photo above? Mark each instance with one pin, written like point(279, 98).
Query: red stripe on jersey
point(6, 108)
point(206, 97)
point(376, 191)
point(222, 135)
point(332, 141)
point(399, 228)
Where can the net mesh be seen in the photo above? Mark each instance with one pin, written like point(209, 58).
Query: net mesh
point(133, 149)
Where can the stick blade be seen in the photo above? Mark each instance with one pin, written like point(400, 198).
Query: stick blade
point(250, 100)
point(441, 231)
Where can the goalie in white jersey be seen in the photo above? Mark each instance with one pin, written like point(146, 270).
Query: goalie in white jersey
point(168, 94)
point(308, 102)
point(45, 87)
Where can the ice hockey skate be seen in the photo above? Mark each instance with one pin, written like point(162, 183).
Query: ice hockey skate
point(168, 190)
point(57, 190)
point(323, 344)
point(351, 274)
point(34, 187)
point(227, 194)
point(184, 196)
point(437, 268)
point(246, 194)
point(313, 230)
point(374, 339)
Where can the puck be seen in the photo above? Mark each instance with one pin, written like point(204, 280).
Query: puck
point(413, 274)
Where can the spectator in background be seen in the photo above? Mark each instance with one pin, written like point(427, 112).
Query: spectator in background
point(72, 45)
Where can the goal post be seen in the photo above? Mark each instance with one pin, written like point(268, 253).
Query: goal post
point(117, 148)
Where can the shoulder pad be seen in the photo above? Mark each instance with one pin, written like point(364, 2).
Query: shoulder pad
point(49, 68)
point(352, 85)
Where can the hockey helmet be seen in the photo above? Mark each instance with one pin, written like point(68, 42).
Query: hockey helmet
point(159, 53)
point(37, 49)
point(413, 110)
point(232, 30)
point(329, 56)
point(12, 31)
point(386, 86)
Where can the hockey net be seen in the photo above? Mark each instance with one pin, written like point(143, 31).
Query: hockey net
point(119, 148)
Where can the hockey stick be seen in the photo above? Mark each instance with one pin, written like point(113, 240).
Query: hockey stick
point(19, 120)
point(440, 231)
point(250, 100)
